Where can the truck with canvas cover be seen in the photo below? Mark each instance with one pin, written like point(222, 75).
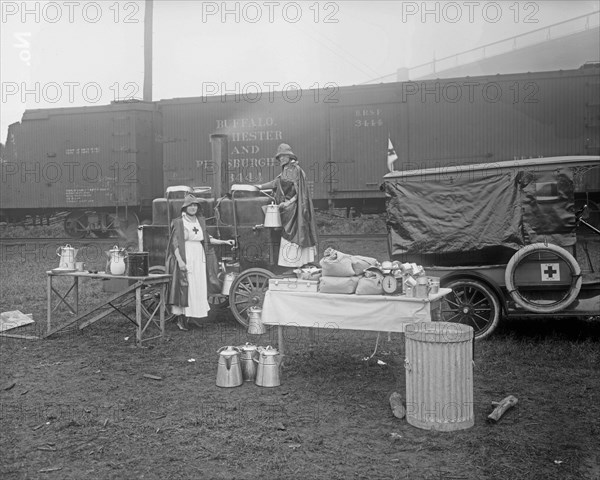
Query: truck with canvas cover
point(510, 239)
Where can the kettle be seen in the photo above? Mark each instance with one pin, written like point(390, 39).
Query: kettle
point(272, 217)
point(249, 353)
point(229, 370)
point(67, 256)
point(267, 372)
point(115, 264)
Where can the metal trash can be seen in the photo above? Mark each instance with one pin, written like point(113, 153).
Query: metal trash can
point(439, 375)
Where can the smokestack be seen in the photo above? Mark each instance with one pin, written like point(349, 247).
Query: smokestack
point(220, 177)
point(148, 51)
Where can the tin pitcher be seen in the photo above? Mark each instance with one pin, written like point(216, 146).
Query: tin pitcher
point(67, 256)
point(272, 216)
point(229, 370)
point(248, 356)
point(269, 363)
point(115, 264)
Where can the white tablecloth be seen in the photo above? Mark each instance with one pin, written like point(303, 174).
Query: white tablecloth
point(382, 313)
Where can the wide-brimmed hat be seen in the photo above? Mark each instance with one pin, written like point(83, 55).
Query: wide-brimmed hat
point(190, 200)
point(285, 149)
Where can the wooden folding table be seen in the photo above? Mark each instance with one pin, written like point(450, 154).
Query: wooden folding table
point(147, 292)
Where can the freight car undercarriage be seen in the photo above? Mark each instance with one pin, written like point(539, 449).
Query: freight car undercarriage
point(80, 223)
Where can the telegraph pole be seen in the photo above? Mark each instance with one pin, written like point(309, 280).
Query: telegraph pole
point(148, 51)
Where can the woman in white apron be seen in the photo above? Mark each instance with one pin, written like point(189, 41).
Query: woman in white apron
point(188, 255)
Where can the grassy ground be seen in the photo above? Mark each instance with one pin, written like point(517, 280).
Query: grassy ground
point(77, 405)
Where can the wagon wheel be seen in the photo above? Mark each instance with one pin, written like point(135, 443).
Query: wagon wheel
point(151, 295)
point(248, 290)
point(473, 303)
point(76, 224)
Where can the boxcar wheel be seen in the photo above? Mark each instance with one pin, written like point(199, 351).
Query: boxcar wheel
point(101, 233)
point(76, 224)
point(125, 226)
point(248, 290)
point(473, 303)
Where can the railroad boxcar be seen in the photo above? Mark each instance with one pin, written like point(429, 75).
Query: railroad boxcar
point(341, 134)
point(88, 161)
point(101, 165)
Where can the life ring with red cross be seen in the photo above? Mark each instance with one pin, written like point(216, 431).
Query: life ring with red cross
point(527, 304)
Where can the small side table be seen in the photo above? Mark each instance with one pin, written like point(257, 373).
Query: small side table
point(154, 314)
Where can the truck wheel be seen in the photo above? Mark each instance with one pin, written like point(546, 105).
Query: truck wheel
point(248, 290)
point(473, 303)
point(546, 306)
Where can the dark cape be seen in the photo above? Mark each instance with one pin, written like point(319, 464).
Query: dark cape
point(298, 218)
point(177, 291)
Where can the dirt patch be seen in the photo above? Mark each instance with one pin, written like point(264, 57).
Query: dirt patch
point(78, 405)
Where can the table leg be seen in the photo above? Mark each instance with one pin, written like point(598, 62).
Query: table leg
point(162, 310)
point(280, 339)
point(76, 294)
point(138, 314)
point(49, 314)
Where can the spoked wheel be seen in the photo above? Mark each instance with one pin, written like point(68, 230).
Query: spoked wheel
point(151, 295)
point(76, 224)
point(473, 303)
point(248, 290)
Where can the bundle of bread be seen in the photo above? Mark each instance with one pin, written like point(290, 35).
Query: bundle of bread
point(342, 273)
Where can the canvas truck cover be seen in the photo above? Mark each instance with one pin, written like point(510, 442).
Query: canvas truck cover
point(479, 211)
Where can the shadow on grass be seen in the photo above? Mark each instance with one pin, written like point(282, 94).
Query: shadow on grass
point(555, 328)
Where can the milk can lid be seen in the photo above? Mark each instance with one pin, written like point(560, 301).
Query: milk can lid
point(229, 350)
point(269, 350)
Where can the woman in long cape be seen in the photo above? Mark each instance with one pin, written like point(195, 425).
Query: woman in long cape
point(299, 230)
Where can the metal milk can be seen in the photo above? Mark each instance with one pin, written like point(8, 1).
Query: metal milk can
point(115, 264)
point(227, 282)
point(255, 325)
point(249, 353)
point(423, 287)
point(229, 370)
point(267, 373)
point(67, 256)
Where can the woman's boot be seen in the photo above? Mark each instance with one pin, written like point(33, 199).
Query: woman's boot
point(182, 322)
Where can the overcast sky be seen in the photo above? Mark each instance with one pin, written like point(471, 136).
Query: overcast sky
point(84, 53)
